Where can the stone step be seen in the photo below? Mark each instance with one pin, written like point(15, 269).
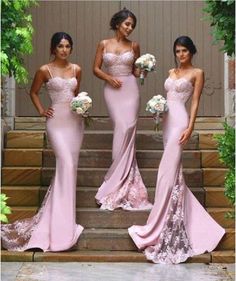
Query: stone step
point(91, 158)
point(19, 213)
point(21, 176)
point(228, 241)
point(33, 195)
point(100, 123)
point(89, 256)
point(24, 139)
point(214, 176)
point(94, 176)
point(23, 157)
point(220, 215)
point(102, 158)
point(85, 176)
point(122, 219)
point(210, 159)
point(97, 218)
point(223, 256)
point(145, 139)
point(119, 240)
point(206, 139)
point(92, 140)
point(22, 196)
point(215, 197)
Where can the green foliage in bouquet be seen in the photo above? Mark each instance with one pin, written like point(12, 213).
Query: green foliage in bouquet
point(5, 210)
point(226, 149)
point(16, 38)
point(221, 14)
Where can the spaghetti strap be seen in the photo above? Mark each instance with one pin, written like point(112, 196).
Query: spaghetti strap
point(104, 45)
point(132, 46)
point(49, 71)
point(74, 71)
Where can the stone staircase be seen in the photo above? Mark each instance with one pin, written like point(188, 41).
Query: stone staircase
point(29, 164)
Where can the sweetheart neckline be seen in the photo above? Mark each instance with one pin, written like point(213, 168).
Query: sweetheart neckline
point(60, 78)
point(117, 55)
point(187, 80)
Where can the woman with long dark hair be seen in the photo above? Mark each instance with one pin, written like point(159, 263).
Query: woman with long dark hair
point(54, 227)
point(178, 226)
point(123, 186)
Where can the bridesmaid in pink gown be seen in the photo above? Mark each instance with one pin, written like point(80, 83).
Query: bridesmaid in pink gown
point(178, 226)
point(123, 186)
point(54, 227)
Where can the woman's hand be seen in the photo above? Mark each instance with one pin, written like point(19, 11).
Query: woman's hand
point(49, 112)
point(185, 136)
point(115, 83)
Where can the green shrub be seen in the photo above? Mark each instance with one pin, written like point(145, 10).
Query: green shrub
point(16, 38)
point(221, 14)
point(5, 210)
point(226, 149)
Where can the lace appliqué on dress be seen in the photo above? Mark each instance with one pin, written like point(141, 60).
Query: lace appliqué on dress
point(131, 196)
point(173, 245)
point(16, 236)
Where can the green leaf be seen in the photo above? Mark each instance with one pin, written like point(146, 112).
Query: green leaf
point(3, 218)
point(222, 19)
point(16, 40)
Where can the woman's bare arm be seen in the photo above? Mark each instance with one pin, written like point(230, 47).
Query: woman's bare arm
point(136, 49)
point(39, 79)
point(198, 86)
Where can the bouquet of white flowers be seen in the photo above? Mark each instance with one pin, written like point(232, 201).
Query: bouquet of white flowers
point(157, 105)
point(146, 62)
point(81, 104)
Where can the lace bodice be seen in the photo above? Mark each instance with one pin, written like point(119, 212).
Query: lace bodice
point(60, 89)
point(118, 65)
point(178, 89)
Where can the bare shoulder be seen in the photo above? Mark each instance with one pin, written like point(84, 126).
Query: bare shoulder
point(135, 44)
point(43, 71)
point(43, 68)
point(102, 44)
point(171, 71)
point(77, 67)
point(198, 73)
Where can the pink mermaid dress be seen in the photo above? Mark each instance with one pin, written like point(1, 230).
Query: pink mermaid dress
point(54, 227)
point(123, 186)
point(178, 226)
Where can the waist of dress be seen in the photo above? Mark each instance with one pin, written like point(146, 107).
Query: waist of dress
point(67, 103)
point(117, 74)
point(177, 100)
point(119, 70)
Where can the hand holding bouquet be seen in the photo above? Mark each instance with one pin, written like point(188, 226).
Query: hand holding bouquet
point(146, 62)
point(157, 105)
point(80, 104)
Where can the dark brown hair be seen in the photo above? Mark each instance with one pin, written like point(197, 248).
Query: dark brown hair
point(186, 42)
point(121, 16)
point(56, 39)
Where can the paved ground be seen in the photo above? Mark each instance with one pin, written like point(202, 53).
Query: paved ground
point(26, 271)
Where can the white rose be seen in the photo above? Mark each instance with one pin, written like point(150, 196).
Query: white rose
point(82, 94)
point(79, 110)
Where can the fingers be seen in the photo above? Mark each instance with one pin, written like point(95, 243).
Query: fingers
point(116, 83)
point(49, 113)
point(184, 139)
point(181, 138)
